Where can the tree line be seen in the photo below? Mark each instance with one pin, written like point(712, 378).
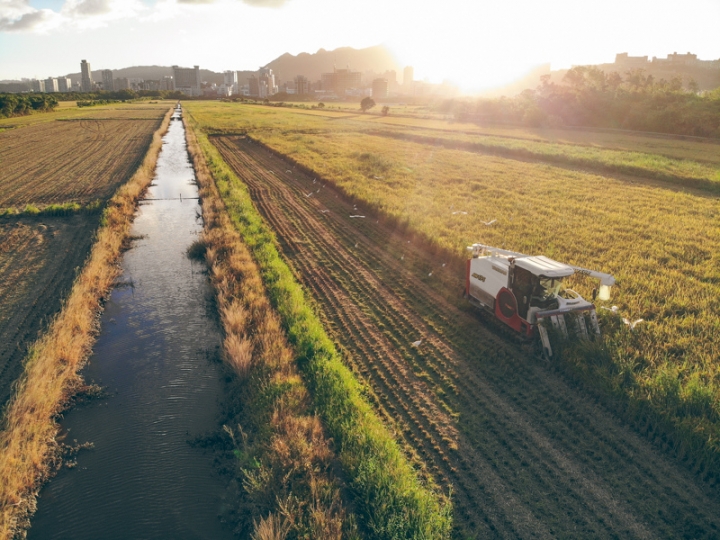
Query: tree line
point(21, 104)
point(589, 97)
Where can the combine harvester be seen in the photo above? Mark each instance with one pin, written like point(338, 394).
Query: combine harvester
point(525, 292)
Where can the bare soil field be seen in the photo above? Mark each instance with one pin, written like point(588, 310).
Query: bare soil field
point(526, 452)
point(39, 259)
point(74, 161)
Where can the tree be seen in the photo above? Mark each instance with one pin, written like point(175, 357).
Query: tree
point(385, 110)
point(321, 105)
point(366, 104)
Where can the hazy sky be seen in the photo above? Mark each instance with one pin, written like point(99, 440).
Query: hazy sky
point(474, 43)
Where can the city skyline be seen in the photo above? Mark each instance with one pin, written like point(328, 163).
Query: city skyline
point(475, 46)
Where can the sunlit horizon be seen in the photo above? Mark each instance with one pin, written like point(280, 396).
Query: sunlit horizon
point(475, 46)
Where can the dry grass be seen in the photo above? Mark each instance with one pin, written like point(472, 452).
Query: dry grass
point(28, 445)
point(286, 466)
point(660, 242)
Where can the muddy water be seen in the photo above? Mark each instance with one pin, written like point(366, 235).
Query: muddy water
point(142, 479)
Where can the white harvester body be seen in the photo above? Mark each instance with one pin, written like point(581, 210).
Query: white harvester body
point(525, 292)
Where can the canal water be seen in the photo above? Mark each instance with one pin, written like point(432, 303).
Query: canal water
point(154, 357)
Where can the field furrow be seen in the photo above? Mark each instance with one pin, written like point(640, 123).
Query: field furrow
point(76, 161)
point(526, 453)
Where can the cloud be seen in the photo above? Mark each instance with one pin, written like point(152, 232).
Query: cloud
point(19, 16)
point(84, 8)
point(27, 21)
point(195, 1)
point(266, 3)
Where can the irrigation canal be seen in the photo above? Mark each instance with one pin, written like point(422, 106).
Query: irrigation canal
point(154, 356)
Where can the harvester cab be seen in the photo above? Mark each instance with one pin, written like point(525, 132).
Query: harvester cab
point(526, 293)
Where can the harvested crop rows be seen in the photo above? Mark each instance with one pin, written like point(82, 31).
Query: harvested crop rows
point(526, 453)
point(38, 262)
point(72, 161)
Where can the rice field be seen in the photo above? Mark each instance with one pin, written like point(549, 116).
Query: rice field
point(659, 238)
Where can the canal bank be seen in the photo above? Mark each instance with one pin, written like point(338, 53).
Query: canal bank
point(156, 360)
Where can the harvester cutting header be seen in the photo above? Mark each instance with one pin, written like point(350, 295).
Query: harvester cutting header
point(525, 292)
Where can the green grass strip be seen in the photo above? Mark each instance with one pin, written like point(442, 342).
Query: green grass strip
point(56, 209)
point(390, 497)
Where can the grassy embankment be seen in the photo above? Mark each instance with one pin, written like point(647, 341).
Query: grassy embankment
point(29, 450)
point(662, 245)
point(284, 460)
point(390, 500)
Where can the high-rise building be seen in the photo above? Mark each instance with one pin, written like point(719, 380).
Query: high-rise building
point(107, 76)
point(341, 80)
point(167, 83)
point(51, 85)
point(302, 85)
point(86, 81)
point(121, 84)
point(231, 81)
point(64, 84)
point(380, 88)
point(38, 86)
point(254, 86)
point(408, 74)
point(187, 80)
point(266, 75)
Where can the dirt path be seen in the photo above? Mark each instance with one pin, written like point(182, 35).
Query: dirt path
point(525, 453)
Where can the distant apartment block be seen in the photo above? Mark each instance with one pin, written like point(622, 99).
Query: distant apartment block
point(674, 60)
point(86, 80)
point(230, 82)
point(121, 84)
point(408, 76)
point(64, 84)
point(51, 85)
point(167, 83)
point(380, 88)
point(623, 59)
point(253, 86)
point(267, 77)
point(107, 80)
point(340, 81)
point(187, 80)
point(302, 85)
point(38, 86)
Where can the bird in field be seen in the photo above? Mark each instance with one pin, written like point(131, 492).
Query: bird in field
point(614, 309)
point(309, 194)
point(633, 323)
point(416, 344)
point(324, 211)
point(357, 216)
point(430, 274)
point(488, 223)
point(444, 265)
point(356, 244)
point(402, 257)
point(289, 171)
point(314, 180)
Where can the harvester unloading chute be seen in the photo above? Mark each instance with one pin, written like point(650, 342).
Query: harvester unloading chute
point(525, 292)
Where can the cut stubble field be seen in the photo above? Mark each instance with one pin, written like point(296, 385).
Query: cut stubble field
point(80, 161)
point(38, 263)
point(72, 161)
point(660, 240)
